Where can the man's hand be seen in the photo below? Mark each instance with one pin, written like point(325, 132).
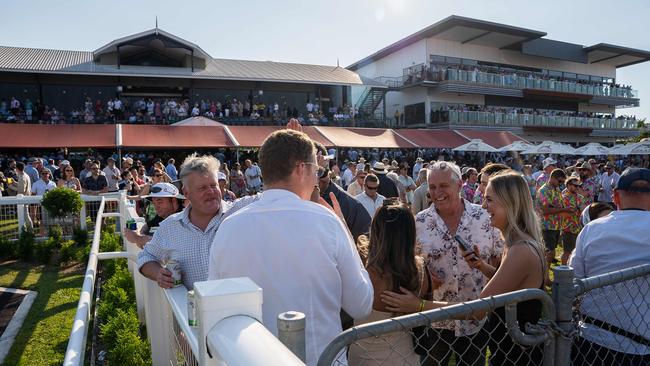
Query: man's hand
point(164, 278)
point(294, 125)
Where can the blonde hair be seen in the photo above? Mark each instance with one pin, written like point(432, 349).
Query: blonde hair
point(511, 190)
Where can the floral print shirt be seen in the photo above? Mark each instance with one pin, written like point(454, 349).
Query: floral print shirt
point(590, 187)
point(478, 198)
point(571, 223)
point(445, 261)
point(552, 197)
point(467, 191)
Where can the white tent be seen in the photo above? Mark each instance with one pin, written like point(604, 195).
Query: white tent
point(549, 147)
point(618, 149)
point(592, 149)
point(198, 121)
point(476, 145)
point(640, 148)
point(516, 146)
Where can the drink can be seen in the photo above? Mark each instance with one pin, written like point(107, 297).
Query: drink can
point(192, 319)
point(175, 268)
point(131, 224)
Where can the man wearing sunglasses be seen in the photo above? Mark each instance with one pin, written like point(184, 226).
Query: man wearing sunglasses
point(96, 183)
point(551, 205)
point(608, 181)
point(571, 224)
point(370, 199)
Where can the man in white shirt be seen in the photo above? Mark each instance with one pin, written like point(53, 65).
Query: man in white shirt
point(299, 252)
point(370, 199)
point(253, 176)
point(112, 174)
point(614, 242)
point(44, 184)
point(608, 181)
point(356, 187)
point(349, 174)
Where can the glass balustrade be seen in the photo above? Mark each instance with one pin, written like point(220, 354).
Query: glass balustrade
point(510, 119)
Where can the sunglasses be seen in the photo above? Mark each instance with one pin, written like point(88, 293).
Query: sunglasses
point(372, 188)
point(157, 175)
point(68, 170)
point(93, 169)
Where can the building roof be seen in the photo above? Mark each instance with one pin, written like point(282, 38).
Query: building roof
point(474, 31)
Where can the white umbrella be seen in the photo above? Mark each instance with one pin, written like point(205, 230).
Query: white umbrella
point(617, 149)
point(640, 148)
point(549, 147)
point(476, 145)
point(516, 146)
point(592, 149)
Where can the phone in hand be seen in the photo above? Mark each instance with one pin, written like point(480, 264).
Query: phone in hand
point(464, 245)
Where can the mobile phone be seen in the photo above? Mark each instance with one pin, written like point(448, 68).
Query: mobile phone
point(463, 244)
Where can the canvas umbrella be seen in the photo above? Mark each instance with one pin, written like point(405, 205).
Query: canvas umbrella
point(549, 147)
point(592, 149)
point(640, 148)
point(516, 146)
point(476, 145)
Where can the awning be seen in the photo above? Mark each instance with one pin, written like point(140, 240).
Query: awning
point(497, 139)
point(198, 121)
point(430, 139)
point(174, 136)
point(365, 138)
point(56, 136)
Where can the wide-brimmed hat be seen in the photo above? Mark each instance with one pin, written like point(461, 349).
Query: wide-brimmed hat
point(548, 162)
point(585, 165)
point(379, 168)
point(164, 190)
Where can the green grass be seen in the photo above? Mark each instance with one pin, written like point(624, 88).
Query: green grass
point(44, 335)
point(10, 226)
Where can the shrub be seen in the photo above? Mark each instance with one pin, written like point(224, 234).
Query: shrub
point(62, 202)
point(43, 251)
point(130, 349)
point(118, 292)
point(68, 251)
point(83, 254)
point(55, 233)
point(110, 242)
point(121, 321)
point(25, 245)
point(8, 248)
point(80, 237)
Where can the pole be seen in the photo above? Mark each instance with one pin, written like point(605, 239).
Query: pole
point(563, 296)
point(291, 332)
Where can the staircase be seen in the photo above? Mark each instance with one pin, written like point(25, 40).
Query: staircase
point(369, 101)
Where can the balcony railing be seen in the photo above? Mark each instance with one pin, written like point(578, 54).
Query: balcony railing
point(520, 120)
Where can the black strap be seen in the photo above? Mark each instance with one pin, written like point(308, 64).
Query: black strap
point(616, 330)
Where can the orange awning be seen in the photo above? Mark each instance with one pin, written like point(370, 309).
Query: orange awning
point(496, 139)
point(365, 137)
point(56, 136)
point(150, 136)
point(254, 136)
point(432, 138)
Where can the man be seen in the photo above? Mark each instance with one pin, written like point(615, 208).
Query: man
point(616, 241)
point(355, 215)
point(571, 225)
point(43, 185)
point(548, 165)
point(356, 187)
point(32, 168)
point(96, 183)
point(551, 207)
point(387, 187)
point(589, 186)
point(11, 177)
point(112, 174)
point(85, 172)
point(22, 184)
point(370, 199)
point(253, 176)
point(227, 194)
point(171, 169)
point(435, 229)
point(188, 235)
point(421, 199)
point(419, 162)
point(349, 174)
point(608, 181)
point(127, 163)
point(407, 182)
point(487, 171)
point(166, 201)
point(469, 184)
point(300, 252)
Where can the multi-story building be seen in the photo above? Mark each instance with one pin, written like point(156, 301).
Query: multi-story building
point(467, 73)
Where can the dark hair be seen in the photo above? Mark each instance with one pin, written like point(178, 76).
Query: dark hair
point(371, 178)
point(391, 249)
point(20, 165)
point(280, 153)
point(493, 168)
point(124, 173)
point(596, 208)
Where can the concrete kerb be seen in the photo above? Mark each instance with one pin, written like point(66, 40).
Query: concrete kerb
point(10, 333)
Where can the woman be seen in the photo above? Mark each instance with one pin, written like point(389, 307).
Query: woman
point(147, 209)
point(237, 180)
point(508, 201)
point(68, 179)
point(392, 264)
point(161, 168)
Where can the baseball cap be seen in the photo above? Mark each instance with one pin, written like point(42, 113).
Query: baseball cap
point(632, 175)
point(221, 176)
point(549, 161)
point(162, 190)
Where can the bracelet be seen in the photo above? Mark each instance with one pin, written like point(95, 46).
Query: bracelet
point(422, 303)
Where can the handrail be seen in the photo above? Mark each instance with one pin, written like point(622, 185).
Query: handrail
point(74, 354)
point(582, 285)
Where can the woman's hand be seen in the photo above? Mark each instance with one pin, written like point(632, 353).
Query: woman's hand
point(335, 207)
point(404, 302)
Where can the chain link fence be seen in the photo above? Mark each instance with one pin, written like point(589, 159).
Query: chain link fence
point(601, 320)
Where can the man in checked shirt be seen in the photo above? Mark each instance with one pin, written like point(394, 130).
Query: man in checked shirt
point(187, 236)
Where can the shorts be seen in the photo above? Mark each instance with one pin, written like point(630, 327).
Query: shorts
point(568, 241)
point(551, 239)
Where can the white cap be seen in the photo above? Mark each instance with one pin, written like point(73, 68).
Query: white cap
point(221, 175)
point(548, 161)
point(164, 190)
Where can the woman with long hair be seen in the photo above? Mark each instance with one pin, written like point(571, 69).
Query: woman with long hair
point(68, 179)
point(509, 203)
point(391, 261)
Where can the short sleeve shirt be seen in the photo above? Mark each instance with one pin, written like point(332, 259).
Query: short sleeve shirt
point(95, 184)
point(590, 186)
point(571, 223)
point(467, 192)
point(548, 196)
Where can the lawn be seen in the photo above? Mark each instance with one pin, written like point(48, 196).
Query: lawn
point(44, 335)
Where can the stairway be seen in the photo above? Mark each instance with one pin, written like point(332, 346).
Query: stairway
point(369, 101)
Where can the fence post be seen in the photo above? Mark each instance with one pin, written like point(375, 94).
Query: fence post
point(291, 332)
point(82, 216)
point(563, 296)
point(20, 213)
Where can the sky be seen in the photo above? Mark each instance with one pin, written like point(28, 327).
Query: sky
point(321, 32)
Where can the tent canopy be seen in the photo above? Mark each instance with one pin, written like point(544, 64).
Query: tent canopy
point(476, 145)
point(365, 138)
point(198, 121)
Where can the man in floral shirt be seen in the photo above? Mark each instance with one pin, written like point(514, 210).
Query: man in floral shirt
point(435, 229)
point(551, 207)
point(589, 183)
point(469, 187)
point(571, 224)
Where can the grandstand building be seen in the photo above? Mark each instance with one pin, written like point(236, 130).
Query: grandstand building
point(465, 73)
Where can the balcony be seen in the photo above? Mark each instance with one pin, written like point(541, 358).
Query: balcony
point(495, 119)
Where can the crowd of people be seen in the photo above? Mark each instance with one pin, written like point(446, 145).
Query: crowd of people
point(170, 110)
point(375, 237)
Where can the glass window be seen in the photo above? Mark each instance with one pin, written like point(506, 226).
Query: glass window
point(437, 59)
point(453, 60)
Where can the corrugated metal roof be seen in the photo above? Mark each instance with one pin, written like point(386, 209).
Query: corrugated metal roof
point(81, 62)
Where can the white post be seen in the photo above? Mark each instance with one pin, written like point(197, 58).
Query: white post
point(20, 212)
point(82, 217)
point(291, 332)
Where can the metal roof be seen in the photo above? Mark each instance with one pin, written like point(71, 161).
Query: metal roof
point(112, 46)
point(617, 56)
point(463, 30)
point(18, 59)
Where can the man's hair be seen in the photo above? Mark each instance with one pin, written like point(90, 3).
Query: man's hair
point(446, 165)
point(204, 165)
point(371, 178)
point(280, 153)
point(20, 166)
point(493, 168)
point(558, 173)
point(124, 173)
point(171, 161)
